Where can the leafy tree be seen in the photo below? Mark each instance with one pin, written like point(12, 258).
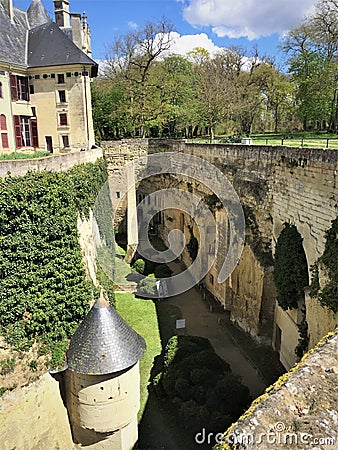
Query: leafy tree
point(131, 57)
point(312, 48)
point(290, 272)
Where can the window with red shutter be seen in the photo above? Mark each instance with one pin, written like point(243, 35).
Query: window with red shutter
point(34, 132)
point(14, 89)
point(18, 135)
point(4, 140)
point(3, 124)
point(63, 119)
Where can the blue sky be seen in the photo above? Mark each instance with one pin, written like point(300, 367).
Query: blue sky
point(203, 23)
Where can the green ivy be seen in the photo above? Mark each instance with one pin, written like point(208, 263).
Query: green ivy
point(303, 342)
point(44, 293)
point(290, 272)
point(328, 296)
point(314, 286)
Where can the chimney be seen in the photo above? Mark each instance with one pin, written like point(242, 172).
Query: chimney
point(77, 30)
point(8, 7)
point(61, 11)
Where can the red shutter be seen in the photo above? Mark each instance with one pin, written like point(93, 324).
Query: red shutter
point(34, 132)
point(14, 89)
point(63, 119)
point(18, 135)
point(3, 124)
point(4, 140)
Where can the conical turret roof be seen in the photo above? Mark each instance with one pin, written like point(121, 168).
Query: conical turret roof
point(104, 343)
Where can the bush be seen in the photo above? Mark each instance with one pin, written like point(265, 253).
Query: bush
point(147, 286)
point(199, 382)
point(291, 272)
point(139, 266)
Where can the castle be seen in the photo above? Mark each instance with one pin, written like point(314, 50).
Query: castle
point(45, 72)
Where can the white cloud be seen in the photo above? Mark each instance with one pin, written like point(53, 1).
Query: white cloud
point(132, 25)
point(181, 45)
point(249, 18)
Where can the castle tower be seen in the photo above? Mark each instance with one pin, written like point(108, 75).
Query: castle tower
point(102, 380)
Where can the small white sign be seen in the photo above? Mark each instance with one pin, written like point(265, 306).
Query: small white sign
point(180, 323)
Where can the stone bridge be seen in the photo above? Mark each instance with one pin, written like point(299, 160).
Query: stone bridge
point(275, 185)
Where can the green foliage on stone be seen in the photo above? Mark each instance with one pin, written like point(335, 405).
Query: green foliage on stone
point(290, 274)
point(148, 286)
point(303, 342)
point(328, 296)
point(314, 286)
point(139, 266)
point(200, 384)
point(44, 293)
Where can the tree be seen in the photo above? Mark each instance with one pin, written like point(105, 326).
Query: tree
point(313, 49)
point(178, 81)
point(132, 56)
point(290, 272)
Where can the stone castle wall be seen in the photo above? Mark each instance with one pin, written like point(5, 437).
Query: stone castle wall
point(275, 185)
point(35, 418)
point(57, 163)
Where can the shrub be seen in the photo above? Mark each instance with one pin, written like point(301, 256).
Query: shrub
point(291, 272)
point(170, 351)
point(7, 366)
point(139, 266)
point(328, 297)
point(147, 286)
point(199, 383)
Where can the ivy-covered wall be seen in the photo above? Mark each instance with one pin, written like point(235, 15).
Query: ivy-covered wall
point(43, 288)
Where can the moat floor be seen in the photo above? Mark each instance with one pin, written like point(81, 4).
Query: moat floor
point(201, 322)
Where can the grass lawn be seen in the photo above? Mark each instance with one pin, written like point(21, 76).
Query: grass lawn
point(289, 139)
point(141, 315)
point(19, 155)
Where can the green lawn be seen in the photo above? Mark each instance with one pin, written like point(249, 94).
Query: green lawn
point(291, 139)
point(19, 155)
point(141, 315)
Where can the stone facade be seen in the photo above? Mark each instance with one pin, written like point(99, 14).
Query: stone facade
point(45, 75)
point(275, 185)
point(35, 417)
point(299, 411)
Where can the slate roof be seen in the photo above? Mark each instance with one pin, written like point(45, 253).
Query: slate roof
point(104, 343)
point(13, 37)
point(49, 46)
point(33, 40)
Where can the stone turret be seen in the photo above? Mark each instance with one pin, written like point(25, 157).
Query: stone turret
point(102, 380)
